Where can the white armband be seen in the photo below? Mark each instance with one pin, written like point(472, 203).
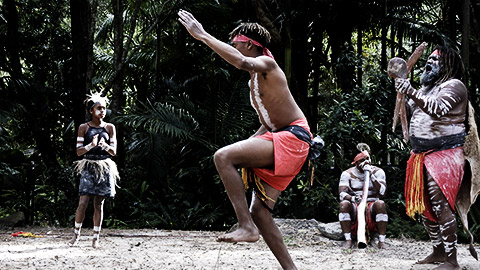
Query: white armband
point(342, 195)
point(106, 147)
point(89, 147)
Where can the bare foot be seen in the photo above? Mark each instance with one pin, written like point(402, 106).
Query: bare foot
point(240, 235)
point(348, 244)
point(74, 240)
point(382, 245)
point(448, 266)
point(432, 258)
point(96, 243)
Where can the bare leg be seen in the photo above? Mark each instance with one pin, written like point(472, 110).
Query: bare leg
point(379, 214)
point(269, 230)
point(438, 254)
point(79, 217)
point(254, 153)
point(447, 227)
point(97, 219)
point(345, 217)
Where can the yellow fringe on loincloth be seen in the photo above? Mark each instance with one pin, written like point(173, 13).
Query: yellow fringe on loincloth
point(101, 168)
point(414, 185)
point(248, 176)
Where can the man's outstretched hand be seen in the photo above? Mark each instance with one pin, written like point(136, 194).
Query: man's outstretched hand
point(193, 26)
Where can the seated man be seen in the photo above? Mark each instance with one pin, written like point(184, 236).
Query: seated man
point(351, 193)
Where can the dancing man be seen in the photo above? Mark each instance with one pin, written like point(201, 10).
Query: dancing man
point(437, 134)
point(275, 153)
point(350, 190)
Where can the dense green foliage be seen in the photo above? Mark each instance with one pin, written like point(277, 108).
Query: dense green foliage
point(175, 102)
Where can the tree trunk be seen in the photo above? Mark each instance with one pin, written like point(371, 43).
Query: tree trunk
point(466, 34)
point(118, 99)
point(383, 65)
point(360, 57)
point(12, 44)
point(300, 66)
point(83, 14)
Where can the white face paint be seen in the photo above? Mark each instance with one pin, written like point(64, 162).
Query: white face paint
point(99, 109)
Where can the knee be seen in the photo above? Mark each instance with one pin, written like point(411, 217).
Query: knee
point(221, 157)
point(98, 206)
point(258, 211)
point(82, 205)
point(345, 206)
point(379, 207)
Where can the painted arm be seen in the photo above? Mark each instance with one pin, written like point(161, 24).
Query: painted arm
point(345, 191)
point(227, 52)
point(378, 181)
point(450, 96)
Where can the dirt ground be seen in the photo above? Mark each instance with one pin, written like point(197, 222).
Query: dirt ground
point(162, 249)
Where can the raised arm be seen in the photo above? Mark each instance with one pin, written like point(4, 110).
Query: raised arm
point(227, 52)
point(450, 96)
point(378, 180)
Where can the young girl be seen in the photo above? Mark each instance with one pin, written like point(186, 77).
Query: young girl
point(96, 142)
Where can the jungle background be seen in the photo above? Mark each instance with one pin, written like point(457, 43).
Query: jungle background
point(174, 101)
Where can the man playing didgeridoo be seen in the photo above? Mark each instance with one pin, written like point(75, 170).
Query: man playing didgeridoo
point(273, 155)
point(350, 190)
point(436, 166)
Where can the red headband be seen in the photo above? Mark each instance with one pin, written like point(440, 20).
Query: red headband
point(360, 156)
point(436, 52)
point(243, 38)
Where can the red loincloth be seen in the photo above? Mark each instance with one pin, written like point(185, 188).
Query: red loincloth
point(446, 168)
point(371, 224)
point(290, 153)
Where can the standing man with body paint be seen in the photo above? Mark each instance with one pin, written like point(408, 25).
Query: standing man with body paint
point(437, 114)
point(350, 190)
point(273, 155)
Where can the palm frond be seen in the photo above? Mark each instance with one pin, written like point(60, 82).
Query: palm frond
point(162, 118)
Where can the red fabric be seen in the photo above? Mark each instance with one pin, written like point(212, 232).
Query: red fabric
point(436, 52)
point(371, 224)
point(360, 156)
point(243, 38)
point(414, 187)
point(447, 168)
point(290, 153)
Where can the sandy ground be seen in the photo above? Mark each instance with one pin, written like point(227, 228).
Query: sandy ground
point(161, 249)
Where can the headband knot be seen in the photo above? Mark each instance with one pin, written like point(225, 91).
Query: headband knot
point(243, 38)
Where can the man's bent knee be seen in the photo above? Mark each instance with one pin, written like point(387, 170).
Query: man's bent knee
point(221, 157)
point(345, 206)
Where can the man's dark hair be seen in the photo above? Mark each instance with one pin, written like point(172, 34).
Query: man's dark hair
point(254, 31)
point(452, 64)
